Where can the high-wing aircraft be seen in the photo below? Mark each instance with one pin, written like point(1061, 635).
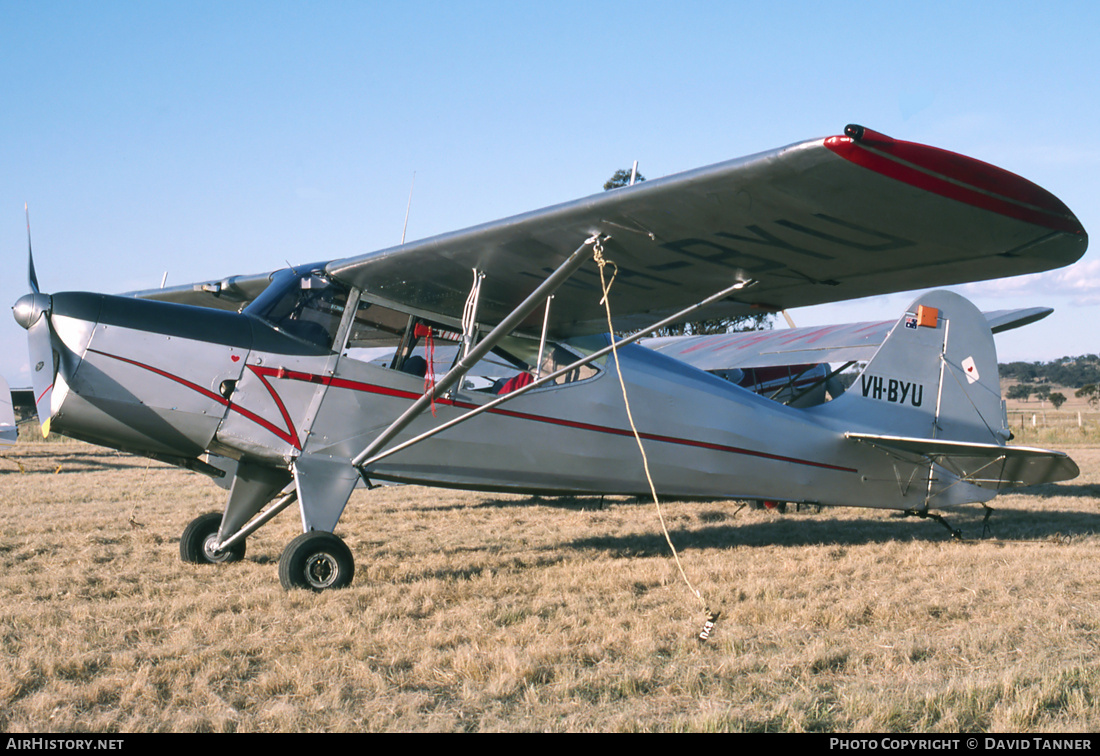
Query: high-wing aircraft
point(257, 380)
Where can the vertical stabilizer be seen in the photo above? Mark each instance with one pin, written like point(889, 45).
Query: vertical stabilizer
point(934, 377)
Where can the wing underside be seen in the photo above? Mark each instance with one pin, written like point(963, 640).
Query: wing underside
point(821, 221)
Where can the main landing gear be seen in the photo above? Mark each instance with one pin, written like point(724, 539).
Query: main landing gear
point(199, 538)
point(316, 560)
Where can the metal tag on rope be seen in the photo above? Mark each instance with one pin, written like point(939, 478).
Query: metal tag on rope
point(712, 618)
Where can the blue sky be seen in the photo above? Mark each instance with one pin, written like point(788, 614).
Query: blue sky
point(209, 139)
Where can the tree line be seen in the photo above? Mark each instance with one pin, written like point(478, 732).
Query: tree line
point(1072, 372)
point(1081, 373)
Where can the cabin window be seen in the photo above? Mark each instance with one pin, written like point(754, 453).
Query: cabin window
point(389, 338)
point(376, 326)
point(515, 356)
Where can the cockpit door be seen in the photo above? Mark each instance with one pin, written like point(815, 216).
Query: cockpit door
point(299, 326)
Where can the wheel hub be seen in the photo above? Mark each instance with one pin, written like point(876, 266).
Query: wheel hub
point(321, 570)
point(209, 550)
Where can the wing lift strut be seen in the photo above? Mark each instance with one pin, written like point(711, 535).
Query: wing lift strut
point(373, 454)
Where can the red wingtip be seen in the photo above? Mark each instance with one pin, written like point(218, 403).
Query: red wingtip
point(954, 176)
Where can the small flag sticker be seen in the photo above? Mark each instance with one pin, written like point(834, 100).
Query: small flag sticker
point(971, 370)
point(911, 321)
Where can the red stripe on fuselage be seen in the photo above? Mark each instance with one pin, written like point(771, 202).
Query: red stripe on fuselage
point(263, 372)
point(293, 435)
point(371, 388)
point(289, 435)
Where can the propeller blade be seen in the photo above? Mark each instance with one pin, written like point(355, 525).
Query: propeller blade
point(32, 277)
point(43, 369)
point(32, 311)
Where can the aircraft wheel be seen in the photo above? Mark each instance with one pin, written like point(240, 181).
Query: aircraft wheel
point(316, 561)
point(199, 537)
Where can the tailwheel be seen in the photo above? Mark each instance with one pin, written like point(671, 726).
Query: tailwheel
point(198, 540)
point(317, 561)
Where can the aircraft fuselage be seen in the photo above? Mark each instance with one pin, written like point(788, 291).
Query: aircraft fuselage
point(174, 381)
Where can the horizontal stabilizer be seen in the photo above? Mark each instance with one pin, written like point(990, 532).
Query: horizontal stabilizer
point(983, 465)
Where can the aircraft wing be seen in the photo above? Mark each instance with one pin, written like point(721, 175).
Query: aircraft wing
point(232, 293)
point(820, 221)
point(836, 344)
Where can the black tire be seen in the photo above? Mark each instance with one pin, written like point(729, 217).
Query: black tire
point(316, 561)
point(199, 537)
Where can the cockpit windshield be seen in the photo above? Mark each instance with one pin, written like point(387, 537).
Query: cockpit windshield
point(306, 305)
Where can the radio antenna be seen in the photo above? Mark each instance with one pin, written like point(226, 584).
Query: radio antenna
point(407, 208)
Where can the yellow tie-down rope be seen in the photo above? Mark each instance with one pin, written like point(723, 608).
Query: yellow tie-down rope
point(597, 253)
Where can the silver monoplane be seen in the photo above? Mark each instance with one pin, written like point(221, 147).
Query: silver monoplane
point(271, 383)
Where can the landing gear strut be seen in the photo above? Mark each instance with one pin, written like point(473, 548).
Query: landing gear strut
point(926, 515)
point(985, 520)
point(316, 561)
point(198, 540)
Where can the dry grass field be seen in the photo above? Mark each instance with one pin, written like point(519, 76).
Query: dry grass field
point(486, 612)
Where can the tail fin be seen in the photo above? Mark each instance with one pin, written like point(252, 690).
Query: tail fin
point(934, 377)
point(932, 391)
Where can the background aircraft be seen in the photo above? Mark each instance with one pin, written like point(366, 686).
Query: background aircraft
point(791, 365)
